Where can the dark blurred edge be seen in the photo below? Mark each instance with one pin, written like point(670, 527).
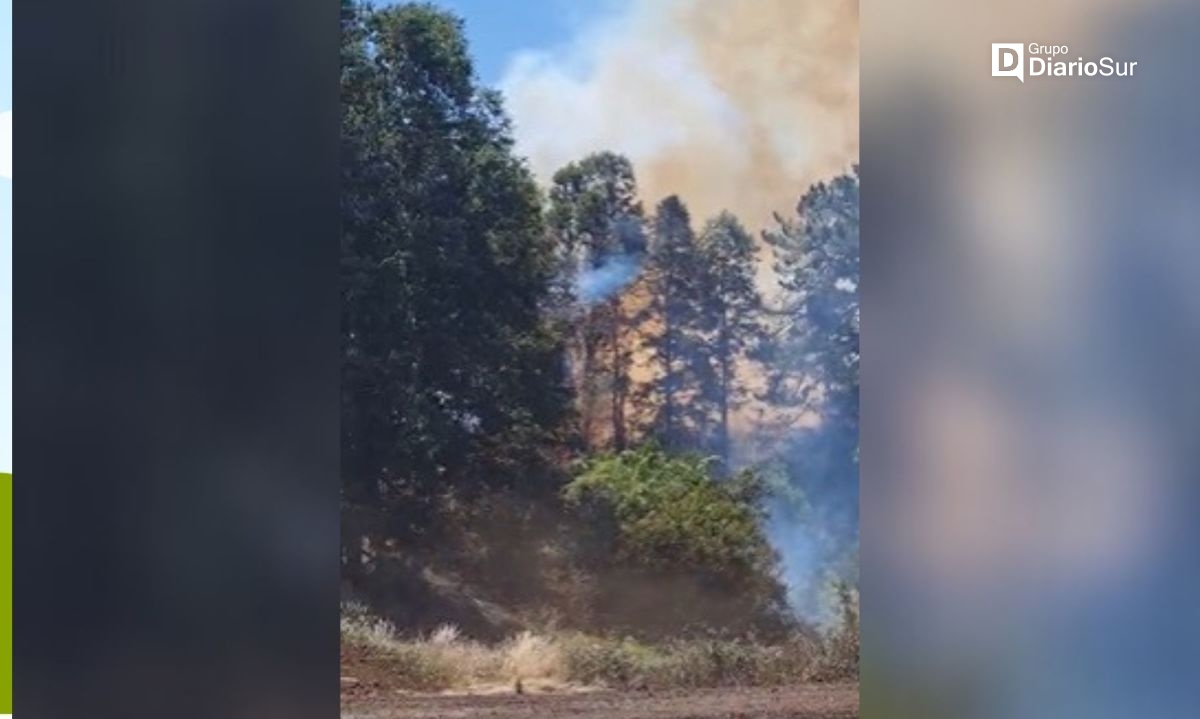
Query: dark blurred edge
point(176, 361)
point(904, 136)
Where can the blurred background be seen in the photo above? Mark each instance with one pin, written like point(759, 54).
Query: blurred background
point(1030, 335)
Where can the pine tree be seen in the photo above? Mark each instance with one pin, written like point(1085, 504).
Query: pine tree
point(732, 307)
point(676, 282)
point(598, 222)
point(817, 263)
point(815, 356)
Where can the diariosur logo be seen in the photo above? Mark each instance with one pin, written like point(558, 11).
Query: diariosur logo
point(1009, 60)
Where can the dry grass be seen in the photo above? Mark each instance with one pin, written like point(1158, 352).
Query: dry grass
point(446, 660)
point(530, 656)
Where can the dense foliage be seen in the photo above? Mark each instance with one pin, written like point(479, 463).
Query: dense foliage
point(451, 378)
point(659, 519)
point(670, 511)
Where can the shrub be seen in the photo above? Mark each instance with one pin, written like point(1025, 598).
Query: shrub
point(624, 662)
point(691, 664)
point(667, 523)
point(670, 511)
point(839, 659)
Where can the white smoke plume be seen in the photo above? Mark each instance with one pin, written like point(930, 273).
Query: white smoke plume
point(732, 104)
point(596, 284)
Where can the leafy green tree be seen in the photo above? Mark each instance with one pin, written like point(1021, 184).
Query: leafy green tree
point(656, 520)
point(676, 280)
point(451, 378)
point(733, 308)
point(597, 220)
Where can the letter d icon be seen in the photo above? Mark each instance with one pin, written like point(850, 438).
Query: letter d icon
point(1008, 60)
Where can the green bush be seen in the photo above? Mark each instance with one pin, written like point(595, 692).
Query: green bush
point(675, 547)
point(671, 512)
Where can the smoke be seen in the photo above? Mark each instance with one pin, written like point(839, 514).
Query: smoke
point(732, 104)
point(817, 536)
point(805, 566)
point(596, 284)
point(608, 267)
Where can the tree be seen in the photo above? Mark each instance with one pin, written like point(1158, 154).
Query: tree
point(676, 283)
point(817, 262)
point(814, 355)
point(451, 378)
point(598, 223)
point(732, 307)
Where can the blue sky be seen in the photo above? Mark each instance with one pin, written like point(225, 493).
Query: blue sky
point(6, 251)
point(497, 29)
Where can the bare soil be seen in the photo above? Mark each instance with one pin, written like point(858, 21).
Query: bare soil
point(810, 701)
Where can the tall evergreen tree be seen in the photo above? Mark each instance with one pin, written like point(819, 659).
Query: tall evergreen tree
point(817, 261)
point(676, 281)
point(598, 222)
point(732, 307)
point(815, 356)
point(450, 375)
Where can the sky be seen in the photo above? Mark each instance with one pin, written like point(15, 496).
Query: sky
point(498, 29)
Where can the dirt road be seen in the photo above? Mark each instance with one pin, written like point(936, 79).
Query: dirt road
point(825, 701)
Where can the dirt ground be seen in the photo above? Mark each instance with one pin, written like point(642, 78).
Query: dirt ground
point(819, 701)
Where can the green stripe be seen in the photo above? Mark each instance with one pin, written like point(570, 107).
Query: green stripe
point(6, 564)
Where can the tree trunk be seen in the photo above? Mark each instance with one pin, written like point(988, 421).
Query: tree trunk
point(723, 393)
point(618, 379)
point(587, 384)
point(668, 384)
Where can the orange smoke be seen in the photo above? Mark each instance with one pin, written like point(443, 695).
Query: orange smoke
point(732, 104)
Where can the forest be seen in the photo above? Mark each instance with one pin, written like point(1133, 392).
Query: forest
point(568, 409)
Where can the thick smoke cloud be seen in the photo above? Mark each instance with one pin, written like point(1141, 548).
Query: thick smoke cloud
point(732, 104)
